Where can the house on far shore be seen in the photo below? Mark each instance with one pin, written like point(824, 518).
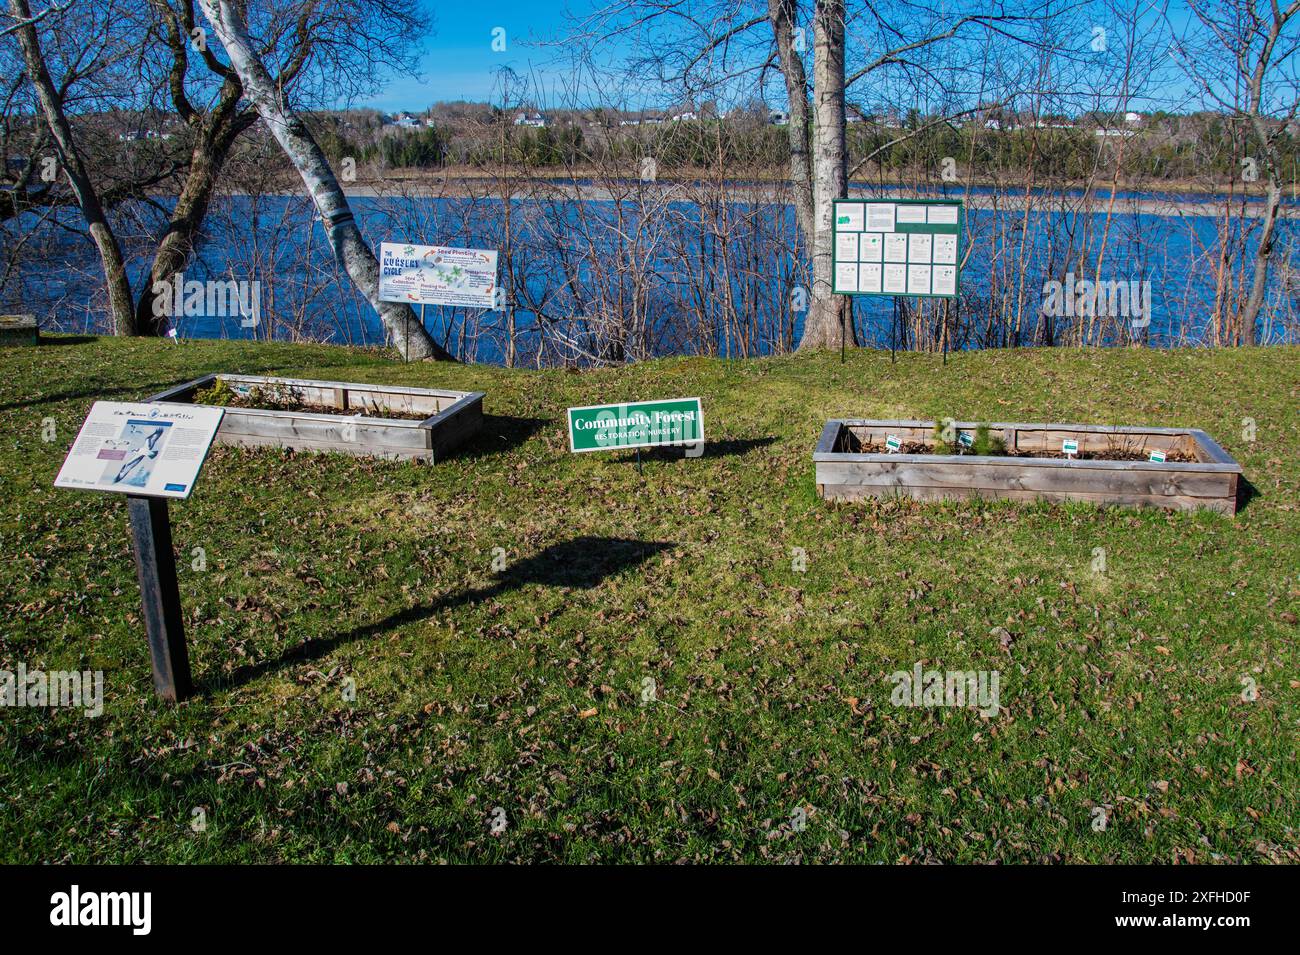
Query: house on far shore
point(778, 118)
point(530, 119)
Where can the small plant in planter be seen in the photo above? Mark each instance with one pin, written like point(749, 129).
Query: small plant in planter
point(984, 442)
point(218, 393)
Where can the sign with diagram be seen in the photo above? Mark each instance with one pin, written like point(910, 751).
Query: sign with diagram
point(898, 247)
point(437, 275)
point(152, 450)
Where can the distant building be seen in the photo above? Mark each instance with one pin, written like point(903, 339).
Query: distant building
point(1132, 118)
point(531, 120)
point(779, 119)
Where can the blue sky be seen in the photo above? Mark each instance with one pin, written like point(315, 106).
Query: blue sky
point(458, 61)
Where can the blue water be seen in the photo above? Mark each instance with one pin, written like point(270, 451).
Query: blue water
point(691, 273)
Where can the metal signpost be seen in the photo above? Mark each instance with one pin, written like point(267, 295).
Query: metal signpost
point(149, 452)
point(644, 424)
point(437, 275)
point(893, 247)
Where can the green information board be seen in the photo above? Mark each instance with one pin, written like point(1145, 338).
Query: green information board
point(898, 247)
point(641, 425)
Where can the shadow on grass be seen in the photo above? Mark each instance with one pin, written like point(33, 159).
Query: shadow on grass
point(579, 564)
point(68, 340)
point(497, 435)
point(1246, 492)
point(712, 449)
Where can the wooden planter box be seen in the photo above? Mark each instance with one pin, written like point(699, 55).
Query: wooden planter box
point(453, 416)
point(1210, 482)
point(19, 330)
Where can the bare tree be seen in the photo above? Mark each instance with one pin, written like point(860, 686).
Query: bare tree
point(73, 164)
point(716, 44)
point(1244, 61)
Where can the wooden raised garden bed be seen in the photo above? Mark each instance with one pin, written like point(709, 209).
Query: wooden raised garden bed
point(19, 330)
point(386, 421)
point(1112, 465)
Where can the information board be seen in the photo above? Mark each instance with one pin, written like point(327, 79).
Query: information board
point(640, 425)
point(898, 247)
point(150, 449)
point(437, 275)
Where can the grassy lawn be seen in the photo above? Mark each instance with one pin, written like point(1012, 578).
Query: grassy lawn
point(651, 678)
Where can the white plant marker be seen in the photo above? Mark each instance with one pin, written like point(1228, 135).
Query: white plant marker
point(1158, 457)
point(965, 440)
point(1070, 447)
point(893, 442)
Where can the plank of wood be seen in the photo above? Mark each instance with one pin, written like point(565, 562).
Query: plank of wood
point(305, 444)
point(849, 492)
point(1017, 474)
point(323, 428)
point(453, 426)
point(182, 392)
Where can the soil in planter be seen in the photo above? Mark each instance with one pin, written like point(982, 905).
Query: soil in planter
point(284, 400)
point(855, 446)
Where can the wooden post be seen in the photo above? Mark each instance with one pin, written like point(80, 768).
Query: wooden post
point(893, 330)
point(155, 566)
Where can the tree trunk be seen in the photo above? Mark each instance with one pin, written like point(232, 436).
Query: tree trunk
point(110, 253)
point(828, 318)
point(345, 238)
point(1248, 328)
point(782, 14)
point(215, 136)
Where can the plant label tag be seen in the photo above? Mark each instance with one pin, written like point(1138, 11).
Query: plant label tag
point(1070, 446)
point(893, 443)
point(966, 439)
point(1158, 457)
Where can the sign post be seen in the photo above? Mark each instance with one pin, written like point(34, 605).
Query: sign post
point(155, 568)
point(676, 422)
point(897, 247)
point(150, 452)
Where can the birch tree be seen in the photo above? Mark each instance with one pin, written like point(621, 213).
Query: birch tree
point(228, 22)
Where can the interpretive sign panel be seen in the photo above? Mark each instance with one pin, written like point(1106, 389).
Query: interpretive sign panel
point(152, 450)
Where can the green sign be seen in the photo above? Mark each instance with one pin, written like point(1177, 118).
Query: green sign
point(898, 247)
point(643, 424)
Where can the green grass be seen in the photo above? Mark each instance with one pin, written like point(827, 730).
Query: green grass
point(523, 690)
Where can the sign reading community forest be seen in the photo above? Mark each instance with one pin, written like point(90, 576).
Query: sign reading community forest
point(898, 247)
point(151, 450)
point(437, 275)
point(641, 425)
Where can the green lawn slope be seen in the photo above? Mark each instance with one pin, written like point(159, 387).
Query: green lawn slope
point(651, 677)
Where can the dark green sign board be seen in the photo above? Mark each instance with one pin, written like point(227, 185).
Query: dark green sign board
point(898, 247)
point(639, 425)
